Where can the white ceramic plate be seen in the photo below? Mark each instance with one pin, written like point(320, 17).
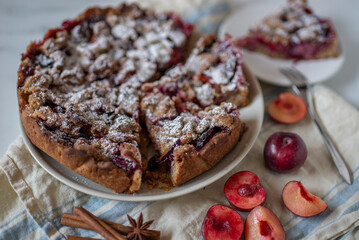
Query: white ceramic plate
point(266, 68)
point(252, 115)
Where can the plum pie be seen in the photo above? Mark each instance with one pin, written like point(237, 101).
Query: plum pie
point(96, 89)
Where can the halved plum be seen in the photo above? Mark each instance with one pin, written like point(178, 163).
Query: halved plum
point(244, 191)
point(222, 222)
point(288, 108)
point(301, 202)
point(262, 223)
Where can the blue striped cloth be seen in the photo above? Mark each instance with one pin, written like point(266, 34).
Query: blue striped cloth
point(32, 202)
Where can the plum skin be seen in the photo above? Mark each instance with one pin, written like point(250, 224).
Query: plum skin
point(285, 152)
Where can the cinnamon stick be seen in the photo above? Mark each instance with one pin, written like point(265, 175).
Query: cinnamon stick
point(74, 220)
point(98, 225)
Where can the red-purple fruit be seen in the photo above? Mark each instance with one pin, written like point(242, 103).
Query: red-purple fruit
point(262, 223)
point(244, 191)
point(301, 202)
point(285, 152)
point(222, 222)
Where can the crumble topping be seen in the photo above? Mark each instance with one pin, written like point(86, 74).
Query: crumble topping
point(192, 102)
point(205, 94)
point(294, 32)
point(211, 75)
point(294, 23)
point(85, 78)
point(89, 82)
point(188, 126)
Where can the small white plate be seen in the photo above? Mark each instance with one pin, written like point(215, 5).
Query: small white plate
point(252, 115)
point(266, 68)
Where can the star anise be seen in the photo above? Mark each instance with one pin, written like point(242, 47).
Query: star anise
point(140, 229)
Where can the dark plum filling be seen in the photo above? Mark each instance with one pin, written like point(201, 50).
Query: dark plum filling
point(301, 51)
point(67, 25)
point(127, 164)
point(204, 79)
point(170, 91)
point(152, 163)
point(200, 142)
point(187, 28)
point(180, 107)
point(32, 52)
point(168, 157)
point(28, 71)
point(176, 56)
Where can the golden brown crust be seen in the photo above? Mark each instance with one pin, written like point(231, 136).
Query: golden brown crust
point(189, 163)
point(79, 161)
point(241, 99)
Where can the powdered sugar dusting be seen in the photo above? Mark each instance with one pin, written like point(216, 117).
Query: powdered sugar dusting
point(85, 85)
point(189, 127)
point(85, 89)
point(211, 74)
point(205, 94)
point(294, 23)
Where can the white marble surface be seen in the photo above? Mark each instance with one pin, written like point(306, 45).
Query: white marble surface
point(22, 21)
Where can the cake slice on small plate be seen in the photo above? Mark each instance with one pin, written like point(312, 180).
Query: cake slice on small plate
point(295, 32)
